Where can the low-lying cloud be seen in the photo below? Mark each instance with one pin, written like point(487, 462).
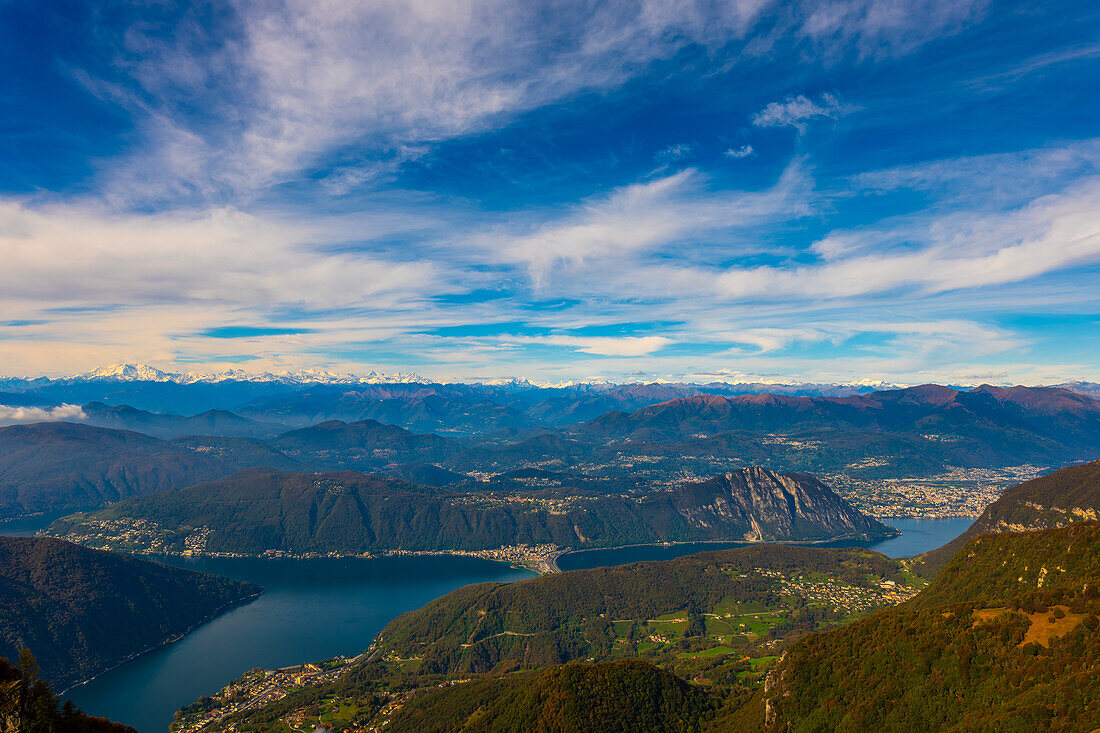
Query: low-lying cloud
point(12, 415)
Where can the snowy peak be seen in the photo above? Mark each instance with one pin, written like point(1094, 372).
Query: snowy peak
point(146, 373)
point(127, 373)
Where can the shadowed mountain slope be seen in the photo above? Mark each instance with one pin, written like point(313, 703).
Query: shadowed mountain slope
point(47, 467)
point(362, 444)
point(168, 426)
point(82, 611)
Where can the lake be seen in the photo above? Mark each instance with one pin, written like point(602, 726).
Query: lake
point(311, 609)
point(315, 609)
point(917, 535)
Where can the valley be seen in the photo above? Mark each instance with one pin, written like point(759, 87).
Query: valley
point(715, 602)
point(738, 637)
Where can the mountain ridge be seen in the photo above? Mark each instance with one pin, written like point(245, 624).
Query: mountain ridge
point(353, 513)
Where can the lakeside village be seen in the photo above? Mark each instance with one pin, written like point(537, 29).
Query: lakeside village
point(256, 688)
point(145, 537)
point(957, 492)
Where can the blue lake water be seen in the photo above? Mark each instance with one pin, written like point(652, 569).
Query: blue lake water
point(314, 609)
point(917, 535)
point(311, 609)
point(27, 527)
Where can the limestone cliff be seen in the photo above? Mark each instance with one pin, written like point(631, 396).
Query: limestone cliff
point(756, 504)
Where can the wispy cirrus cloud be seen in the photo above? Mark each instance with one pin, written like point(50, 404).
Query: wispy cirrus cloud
point(643, 217)
point(956, 252)
point(287, 87)
point(600, 345)
point(796, 111)
point(674, 153)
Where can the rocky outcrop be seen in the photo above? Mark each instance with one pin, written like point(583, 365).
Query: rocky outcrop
point(756, 504)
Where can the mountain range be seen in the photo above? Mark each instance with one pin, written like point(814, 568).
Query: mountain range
point(349, 513)
point(914, 432)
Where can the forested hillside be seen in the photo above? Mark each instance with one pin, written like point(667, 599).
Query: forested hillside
point(350, 513)
point(28, 704)
point(612, 697)
point(1005, 639)
point(82, 611)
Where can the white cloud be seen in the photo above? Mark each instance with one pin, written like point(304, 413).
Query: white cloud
point(291, 84)
point(796, 110)
point(11, 415)
point(601, 345)
point(771, 338)
point(83, 256)
point(988, 180)
point(675, 153)
point(883, 29)
point(736, 153)
point(647, 216)
point(955, 251)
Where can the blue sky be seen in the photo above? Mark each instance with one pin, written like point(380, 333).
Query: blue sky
point(840, 190)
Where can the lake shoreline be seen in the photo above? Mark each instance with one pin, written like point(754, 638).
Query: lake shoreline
point(167, 642)
point(311, 609)
point(740, 543)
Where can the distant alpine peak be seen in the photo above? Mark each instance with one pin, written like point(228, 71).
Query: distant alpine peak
point(127, 373)
point(508, 382)
point(139, 372)
point(146, 373)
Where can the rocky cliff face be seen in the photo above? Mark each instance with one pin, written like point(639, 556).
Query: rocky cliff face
point(757, 505)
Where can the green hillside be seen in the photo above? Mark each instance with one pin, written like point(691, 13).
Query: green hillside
point(82, 611)
point(613, 697)
point(620, 611)
point(718, 618)
point(1005, 639)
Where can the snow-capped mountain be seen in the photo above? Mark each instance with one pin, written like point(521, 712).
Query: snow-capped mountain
point(127, 373)
point(146, 373)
